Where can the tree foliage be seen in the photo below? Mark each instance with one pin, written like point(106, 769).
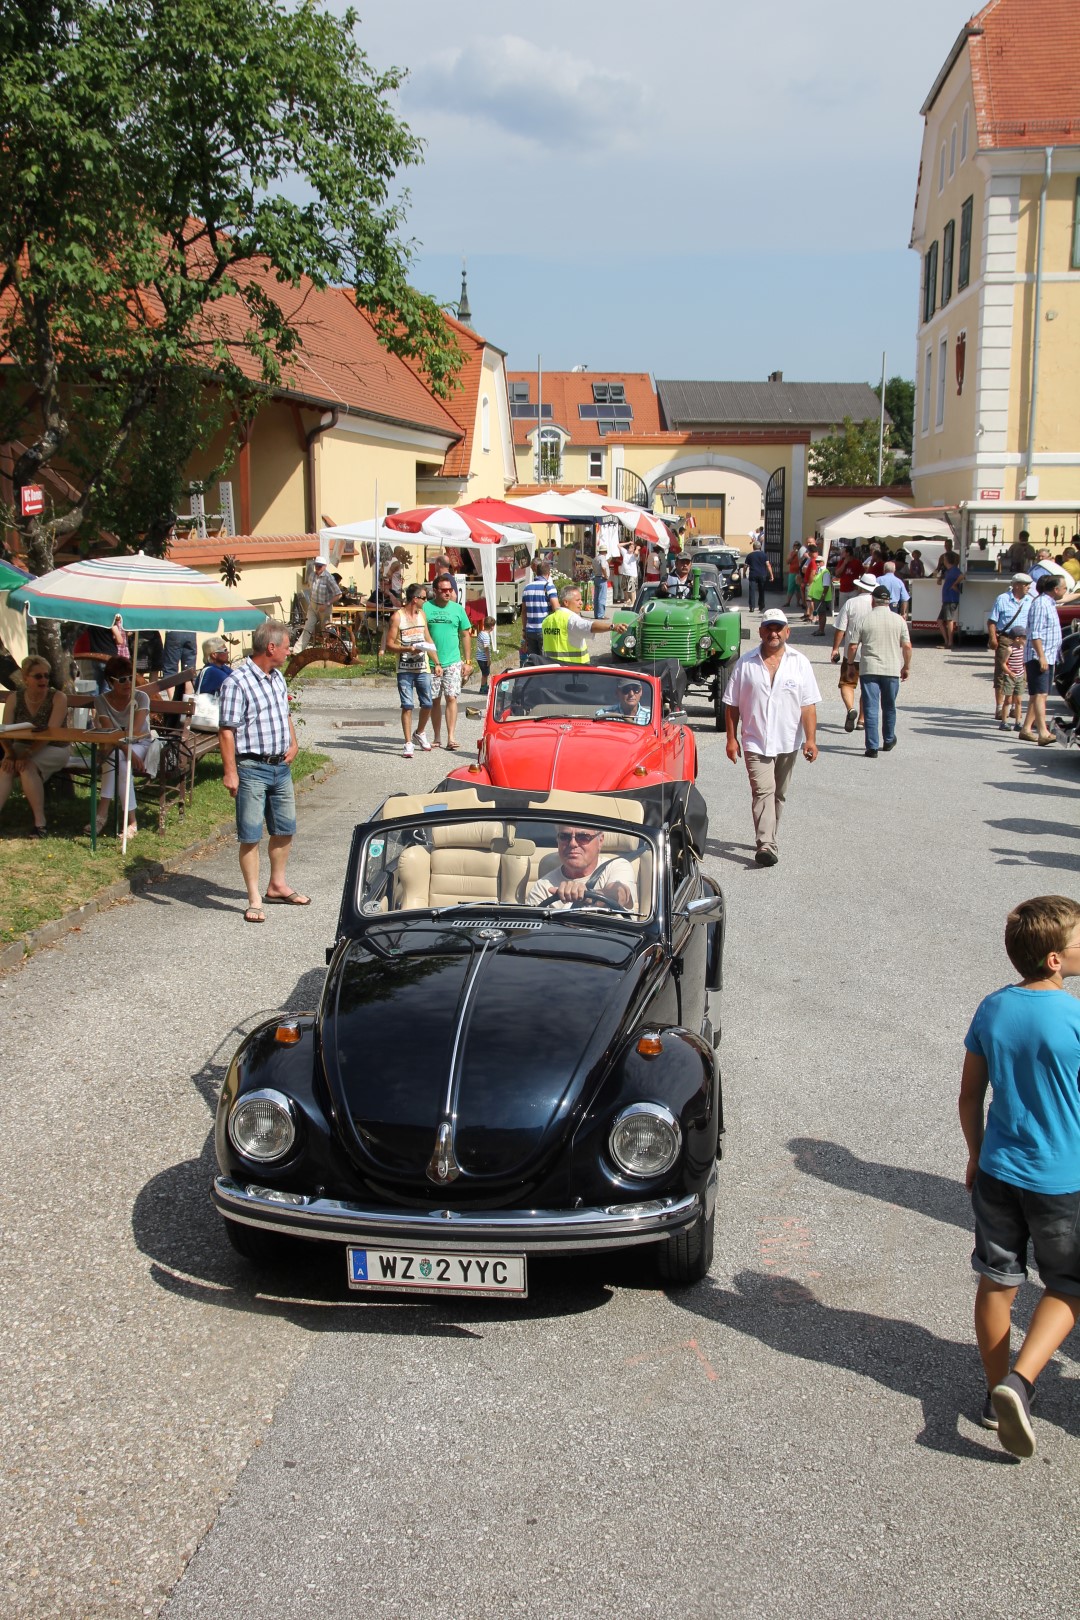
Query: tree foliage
point(847, 456)
point(153, 154)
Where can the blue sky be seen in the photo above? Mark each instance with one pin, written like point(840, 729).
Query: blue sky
point(694, 189)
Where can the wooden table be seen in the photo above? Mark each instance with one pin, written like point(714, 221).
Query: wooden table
point(72, 735)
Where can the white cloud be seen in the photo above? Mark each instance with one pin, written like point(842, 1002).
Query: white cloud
point(533, 92)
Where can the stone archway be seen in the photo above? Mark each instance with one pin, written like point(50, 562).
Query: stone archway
point(694, 460)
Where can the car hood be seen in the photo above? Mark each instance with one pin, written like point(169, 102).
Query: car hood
point(595, 755)
point(429, 1023)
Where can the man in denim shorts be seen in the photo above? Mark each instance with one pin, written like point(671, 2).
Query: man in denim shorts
point(258, 745)
point(1023, 1167)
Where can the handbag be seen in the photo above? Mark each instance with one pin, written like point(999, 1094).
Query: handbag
point(207, 712)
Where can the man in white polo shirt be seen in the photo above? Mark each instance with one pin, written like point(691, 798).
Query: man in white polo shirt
point(772, 693)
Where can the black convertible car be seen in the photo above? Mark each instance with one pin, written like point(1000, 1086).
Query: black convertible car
point(513, 1054)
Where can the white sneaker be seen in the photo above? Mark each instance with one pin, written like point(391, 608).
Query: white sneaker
point(422, 740)
point(408, 750)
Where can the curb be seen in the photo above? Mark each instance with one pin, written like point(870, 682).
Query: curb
point(18, 951)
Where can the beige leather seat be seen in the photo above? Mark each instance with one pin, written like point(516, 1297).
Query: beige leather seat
point(477, 860)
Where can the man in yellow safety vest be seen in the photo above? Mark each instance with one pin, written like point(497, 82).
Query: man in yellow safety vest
point(565, 630)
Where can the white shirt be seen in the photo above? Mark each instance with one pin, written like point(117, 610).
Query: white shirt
point(578, 630)
point(609, 872)
point(770, 710)
point(852, 613)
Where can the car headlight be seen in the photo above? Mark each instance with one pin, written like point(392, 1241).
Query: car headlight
point(704, 646)
point(261, 1126)
point(629, 641)
point(645, 1140)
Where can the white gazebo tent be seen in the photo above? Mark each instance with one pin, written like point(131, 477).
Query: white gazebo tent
point(886, 520)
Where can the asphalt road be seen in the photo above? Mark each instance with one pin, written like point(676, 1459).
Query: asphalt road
point(793, 1436)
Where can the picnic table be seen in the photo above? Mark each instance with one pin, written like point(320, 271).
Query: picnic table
point(73, 735)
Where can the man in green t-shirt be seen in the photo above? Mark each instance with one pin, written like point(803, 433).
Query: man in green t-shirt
point(452, 634)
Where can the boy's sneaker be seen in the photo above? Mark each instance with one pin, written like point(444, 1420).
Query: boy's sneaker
point(1003, 725)
point(422, 740)
point(408, 750)
point(849, 722)
point(1012, 1404)
point(988, 1417)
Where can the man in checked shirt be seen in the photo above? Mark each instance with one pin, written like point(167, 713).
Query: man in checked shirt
point(258, 745)
point(325, 591)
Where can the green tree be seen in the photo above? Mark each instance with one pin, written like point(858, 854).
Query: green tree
point(847, 456)
point(900, 405)
point(156, 156)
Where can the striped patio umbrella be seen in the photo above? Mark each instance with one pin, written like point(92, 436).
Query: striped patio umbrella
point(475, 522)
point(145, 593)
point(11, 577)
point(148, 593)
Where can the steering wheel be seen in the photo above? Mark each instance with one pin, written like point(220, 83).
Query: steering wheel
point(586, 902)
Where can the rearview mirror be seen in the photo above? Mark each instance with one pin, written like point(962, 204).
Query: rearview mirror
point(708, 909)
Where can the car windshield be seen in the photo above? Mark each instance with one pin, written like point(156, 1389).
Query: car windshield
point(562, 867)
point(591, 694)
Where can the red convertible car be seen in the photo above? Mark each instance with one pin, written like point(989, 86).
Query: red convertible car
point(584, 728)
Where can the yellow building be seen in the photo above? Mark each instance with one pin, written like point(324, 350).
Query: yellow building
point(997, 227)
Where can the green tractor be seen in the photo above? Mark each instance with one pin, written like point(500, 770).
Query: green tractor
point(701, 632)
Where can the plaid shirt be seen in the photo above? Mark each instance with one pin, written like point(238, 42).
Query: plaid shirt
point(256, 707)
point(1044, 624)
point(325, 589)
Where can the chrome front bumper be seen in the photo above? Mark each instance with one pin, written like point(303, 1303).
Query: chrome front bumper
point(529, 1231)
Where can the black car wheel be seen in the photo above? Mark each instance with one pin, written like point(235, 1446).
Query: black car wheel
point(261, 1248)
point(686, 1258)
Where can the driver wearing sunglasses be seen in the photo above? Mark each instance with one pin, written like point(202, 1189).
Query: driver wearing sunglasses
point(583, 877)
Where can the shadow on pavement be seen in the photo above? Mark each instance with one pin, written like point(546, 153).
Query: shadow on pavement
point(940, 1197)
point(725, 849)
point(1044, 858)
point(192, 889)
point(945, 1377)
point(1038, 829)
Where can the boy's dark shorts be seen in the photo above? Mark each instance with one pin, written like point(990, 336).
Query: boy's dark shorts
point(1008, 1218)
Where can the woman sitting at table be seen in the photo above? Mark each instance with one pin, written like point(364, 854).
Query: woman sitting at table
point(36, 703)
point(111, 714)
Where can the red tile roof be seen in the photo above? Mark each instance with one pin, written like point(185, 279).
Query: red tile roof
point(564, 391)
point(462, 402)
point(1024, 57)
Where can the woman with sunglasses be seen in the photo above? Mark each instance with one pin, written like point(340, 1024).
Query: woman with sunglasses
point(111, 714)
point(37, 704)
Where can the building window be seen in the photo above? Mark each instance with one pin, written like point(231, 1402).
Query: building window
point(519, 393)
point(943, 361)
point(948, 237)
point(596, 464)
point(929, 297)
point(485, 423)
point(963, 269)
point(609, 393)
point(941, 169)
point(550, 469)
point(1074, 261)
point(928, 368)
point(952, 152)
point(964, 136)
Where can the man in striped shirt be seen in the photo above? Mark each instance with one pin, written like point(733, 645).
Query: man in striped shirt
point(538, 599)
point(1040, 655)
point(325, 591)
point(258, 745)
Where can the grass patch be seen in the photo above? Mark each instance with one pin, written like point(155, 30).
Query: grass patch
point(363, 664)
point(41, 879)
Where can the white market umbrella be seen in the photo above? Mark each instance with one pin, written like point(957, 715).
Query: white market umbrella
point(145, 593)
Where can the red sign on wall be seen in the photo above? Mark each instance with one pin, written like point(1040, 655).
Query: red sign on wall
point(32, 497)
point(989, 494)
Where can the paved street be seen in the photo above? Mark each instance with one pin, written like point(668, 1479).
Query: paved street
point(794, 1436)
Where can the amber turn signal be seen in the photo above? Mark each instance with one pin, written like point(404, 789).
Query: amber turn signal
point(640, 770)
point(650, 1046)
point(287, 1034)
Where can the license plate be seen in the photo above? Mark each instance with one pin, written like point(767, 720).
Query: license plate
point(422, 1271)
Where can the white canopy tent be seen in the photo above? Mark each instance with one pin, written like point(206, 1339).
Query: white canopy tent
point(887, 520)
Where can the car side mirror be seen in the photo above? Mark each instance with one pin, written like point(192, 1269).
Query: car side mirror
point(710, 908)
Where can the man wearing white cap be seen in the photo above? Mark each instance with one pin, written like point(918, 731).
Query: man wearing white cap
point(772, 693)
point(1005, 623)
point(857, 606)
point(325, 591)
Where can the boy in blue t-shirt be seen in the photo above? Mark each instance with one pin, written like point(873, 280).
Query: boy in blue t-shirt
point(1023, 1167)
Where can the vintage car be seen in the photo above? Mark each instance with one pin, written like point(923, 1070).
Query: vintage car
point(728, 562)
point(513, 1054)
point(584, 728)
point(701, 632)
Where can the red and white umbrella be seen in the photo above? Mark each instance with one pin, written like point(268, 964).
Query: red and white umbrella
point(476, 522)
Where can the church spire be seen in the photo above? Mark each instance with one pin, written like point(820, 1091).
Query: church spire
point(464, 312)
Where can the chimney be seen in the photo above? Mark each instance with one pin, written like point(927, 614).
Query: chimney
point(776, 376)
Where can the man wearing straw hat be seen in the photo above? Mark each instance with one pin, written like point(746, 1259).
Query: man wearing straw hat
point(325, 591)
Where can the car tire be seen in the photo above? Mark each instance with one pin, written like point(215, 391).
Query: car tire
point(261, 1248)
point(685, 1258)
